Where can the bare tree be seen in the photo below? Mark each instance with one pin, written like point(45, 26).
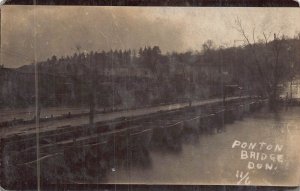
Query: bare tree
point(267, 60)
point(208, 45)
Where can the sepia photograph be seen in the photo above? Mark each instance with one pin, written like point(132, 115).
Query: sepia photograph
point(149, 96)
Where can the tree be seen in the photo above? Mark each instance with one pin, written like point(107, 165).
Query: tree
point(208, 46)
point(266, 61)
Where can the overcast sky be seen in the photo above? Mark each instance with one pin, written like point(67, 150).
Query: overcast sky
point(59, 30)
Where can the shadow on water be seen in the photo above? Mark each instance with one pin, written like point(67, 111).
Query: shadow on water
point(128, 148)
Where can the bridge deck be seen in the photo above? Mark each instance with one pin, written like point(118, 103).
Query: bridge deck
point(83, 120)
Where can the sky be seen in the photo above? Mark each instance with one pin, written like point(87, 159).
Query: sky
point(29, 33)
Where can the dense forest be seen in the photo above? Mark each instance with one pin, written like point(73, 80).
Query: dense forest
point(133, 78)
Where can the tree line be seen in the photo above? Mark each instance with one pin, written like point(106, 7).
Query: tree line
point(129, 78)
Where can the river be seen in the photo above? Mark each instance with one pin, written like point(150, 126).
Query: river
point(215, 159)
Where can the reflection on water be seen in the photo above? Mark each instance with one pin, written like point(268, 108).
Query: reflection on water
point(211, 160)
point(184, 147)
